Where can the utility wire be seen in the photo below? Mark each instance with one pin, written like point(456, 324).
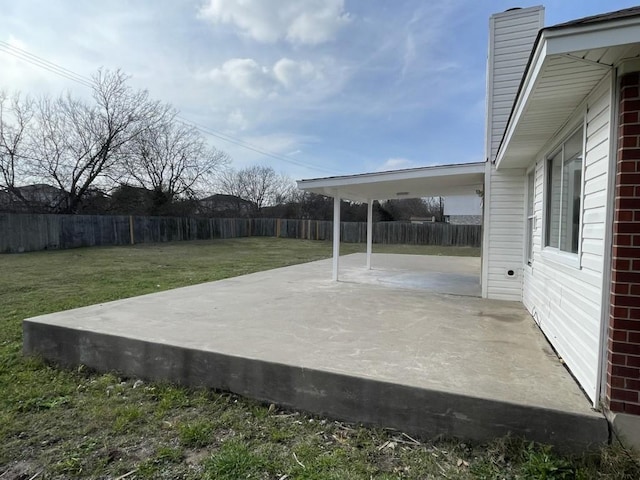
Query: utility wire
point(88, 82)
point(249, 146)
point(45, 64)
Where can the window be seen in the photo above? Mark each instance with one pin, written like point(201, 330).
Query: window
point(564, 194)
point(531, 186)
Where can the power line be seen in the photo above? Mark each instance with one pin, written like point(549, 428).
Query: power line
point(45, 64)
point(88, 82)
point(249, 146)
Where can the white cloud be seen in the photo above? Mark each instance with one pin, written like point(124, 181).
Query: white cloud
point(291, 73)
point(19, 74)
point(245, 75)
point(285, 77)
point(309, 22)
point(236, 120)
point(409, 55)
point(11, 57)
point(395, 164)
point(17, 43)
point(255, 69)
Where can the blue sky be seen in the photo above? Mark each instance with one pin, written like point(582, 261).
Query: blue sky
point(331, 86)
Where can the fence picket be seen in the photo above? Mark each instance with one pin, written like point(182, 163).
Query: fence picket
point(31, 232)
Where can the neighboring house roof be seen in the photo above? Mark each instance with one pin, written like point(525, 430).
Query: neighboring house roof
point(223, 199)
point(36, 192)
point(40, 187)
point(438, 180)
point(221, 202)
point(566, 63)
point(32, 197)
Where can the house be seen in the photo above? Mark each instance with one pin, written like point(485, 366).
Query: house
point(225, 206)
point(422, 220)
point(38, 197)
point(464, 209)
point(561, 190)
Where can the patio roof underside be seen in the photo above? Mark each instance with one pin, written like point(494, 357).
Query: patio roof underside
point(560, 76)
point(444, 180)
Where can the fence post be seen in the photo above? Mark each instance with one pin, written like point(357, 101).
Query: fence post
point(58, 231)
point(131, 232)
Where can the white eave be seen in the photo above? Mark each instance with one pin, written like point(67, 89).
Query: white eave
point(441, 180)
point(567, 63)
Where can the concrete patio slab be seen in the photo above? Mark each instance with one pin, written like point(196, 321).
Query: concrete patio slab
point(369, 348)
point(436, 274)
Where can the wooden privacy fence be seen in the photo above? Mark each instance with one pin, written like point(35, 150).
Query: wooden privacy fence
point(31, 232)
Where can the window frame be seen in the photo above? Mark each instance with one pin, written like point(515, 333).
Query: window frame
point(556, 253)
point(530, 218)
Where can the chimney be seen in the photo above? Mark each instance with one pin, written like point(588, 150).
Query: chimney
point(511, 38)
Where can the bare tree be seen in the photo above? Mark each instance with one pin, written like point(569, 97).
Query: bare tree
point(171, 158)
point(15, 118)
point(72, 148)
point(435, 205)
point(78, 144)
point(258, 184)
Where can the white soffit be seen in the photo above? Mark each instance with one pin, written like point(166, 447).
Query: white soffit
point(567, 64)
point(441, 180)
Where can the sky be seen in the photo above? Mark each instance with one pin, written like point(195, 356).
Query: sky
point(325, 87)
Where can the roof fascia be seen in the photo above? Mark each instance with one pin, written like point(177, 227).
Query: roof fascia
point(592, 36)
point(562, 41)
point(367, 178)
point(528, 84)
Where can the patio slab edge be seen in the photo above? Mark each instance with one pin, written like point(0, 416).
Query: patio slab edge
point(417, 411)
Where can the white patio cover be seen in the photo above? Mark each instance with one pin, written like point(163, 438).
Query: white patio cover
point(439, 180)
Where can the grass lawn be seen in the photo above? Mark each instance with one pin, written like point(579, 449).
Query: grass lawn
point(80, 424)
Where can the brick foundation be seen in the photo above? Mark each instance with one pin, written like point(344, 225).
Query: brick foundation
point(623, 349)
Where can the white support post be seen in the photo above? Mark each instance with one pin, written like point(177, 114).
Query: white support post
point(369, 232)
point(336, 236)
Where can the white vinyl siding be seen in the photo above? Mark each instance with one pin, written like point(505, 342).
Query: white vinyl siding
point(511, 38)
point(506, 233)
point(511, 35)
point(566, 300)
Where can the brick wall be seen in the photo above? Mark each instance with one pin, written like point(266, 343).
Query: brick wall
point(623, 358)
